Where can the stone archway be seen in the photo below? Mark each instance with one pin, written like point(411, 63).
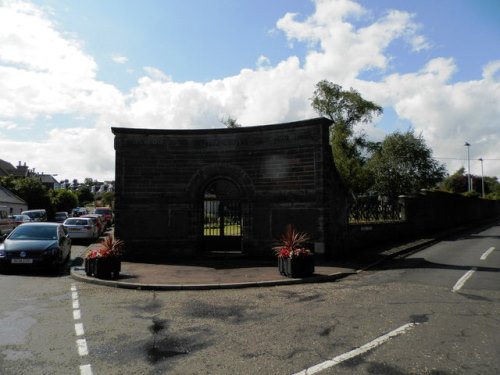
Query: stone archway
point(222, 196)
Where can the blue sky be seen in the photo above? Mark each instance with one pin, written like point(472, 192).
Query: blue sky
point(69, 70)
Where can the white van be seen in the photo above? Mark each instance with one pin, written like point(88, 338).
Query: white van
point(36, 215)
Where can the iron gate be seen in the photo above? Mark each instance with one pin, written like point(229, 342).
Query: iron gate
point(222, 217)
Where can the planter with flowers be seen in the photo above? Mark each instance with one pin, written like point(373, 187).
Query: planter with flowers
point(104, 261)
point(294, 260)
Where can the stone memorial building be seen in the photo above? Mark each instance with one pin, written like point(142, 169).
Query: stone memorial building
point(189, 192)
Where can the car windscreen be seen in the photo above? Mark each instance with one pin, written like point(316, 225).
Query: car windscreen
point(30, 232)
point(77, 222)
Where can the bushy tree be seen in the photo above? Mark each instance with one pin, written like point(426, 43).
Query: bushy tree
point(63, 200)
point(33, 192)
point(108, 199)
point(350, 150)
point(403, 164)
point(455, 183)
point(84, 195)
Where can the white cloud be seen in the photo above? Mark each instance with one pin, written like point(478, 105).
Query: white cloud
point(157, 74)
point(43, 72)
point(119, 59)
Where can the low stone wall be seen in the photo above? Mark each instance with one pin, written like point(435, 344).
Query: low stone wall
point(423, 214)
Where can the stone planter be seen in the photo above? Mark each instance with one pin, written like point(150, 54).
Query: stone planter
point(103, 268)
point(296, 267)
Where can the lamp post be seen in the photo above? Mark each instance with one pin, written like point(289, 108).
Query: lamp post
point(469, 187)
point(482, 175)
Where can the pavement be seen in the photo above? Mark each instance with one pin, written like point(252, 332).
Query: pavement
point(231, 272)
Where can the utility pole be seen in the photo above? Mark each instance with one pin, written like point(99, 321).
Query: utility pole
point(482, 175)
point(469, 185)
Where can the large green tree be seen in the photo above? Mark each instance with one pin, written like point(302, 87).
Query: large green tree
point(84, 195)
point(403, 164)
point(455, 183)
point(350, 150)
point(63, 199)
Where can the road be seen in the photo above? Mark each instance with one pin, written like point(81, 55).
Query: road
point(434, 312)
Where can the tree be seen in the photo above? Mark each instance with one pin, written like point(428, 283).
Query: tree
point(455, 183)
point(404, 165)
point(230, 122)
point(108, 199)
point(350, 150)
point(84, 195)
point(33, 192)
point(63, 200)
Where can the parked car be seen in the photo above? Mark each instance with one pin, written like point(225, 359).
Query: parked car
point(36, 244)
point(21, 219)
point(7, 224)
point(107, 213)
point(60, 216)
point(81, 227)
point(79, 211)
point(98, 221)
point(36, 215)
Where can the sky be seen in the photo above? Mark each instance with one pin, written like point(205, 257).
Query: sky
point(72, 69)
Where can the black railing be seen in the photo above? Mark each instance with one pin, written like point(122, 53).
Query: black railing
point(374, 210)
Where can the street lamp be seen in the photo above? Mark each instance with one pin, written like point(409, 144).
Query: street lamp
point(482, 175)
point(469, 187)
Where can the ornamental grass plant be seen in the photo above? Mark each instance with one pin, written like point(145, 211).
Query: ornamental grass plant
point(291, 244)
point(109, 247)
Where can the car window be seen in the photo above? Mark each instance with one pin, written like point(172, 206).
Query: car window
point(29, 232)
point(76, 222)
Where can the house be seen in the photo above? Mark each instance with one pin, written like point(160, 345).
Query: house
point(14, 204)
point(7, 169)
point(49, 181)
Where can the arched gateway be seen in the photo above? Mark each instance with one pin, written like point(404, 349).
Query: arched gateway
point(186, 192)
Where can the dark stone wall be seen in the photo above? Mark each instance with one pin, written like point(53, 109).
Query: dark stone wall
point(285, 174)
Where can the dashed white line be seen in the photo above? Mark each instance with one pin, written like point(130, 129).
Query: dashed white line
point(486, 253)
point(85, 370)
point(82, 347)
point(81, 343)
point(353, 353)
point(79, 329)
point(460, 283)
point(77, 315)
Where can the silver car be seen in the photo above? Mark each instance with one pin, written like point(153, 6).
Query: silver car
point(81, 227)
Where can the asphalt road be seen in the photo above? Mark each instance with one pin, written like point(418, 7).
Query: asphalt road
point(434, 312)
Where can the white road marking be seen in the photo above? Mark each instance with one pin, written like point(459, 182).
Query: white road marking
point(460, 283)
point(85, 370)
point(79, 329)
point(77, 315)
point(487, 252)
point(82, 347)
point(355, 352)
point(81, 343)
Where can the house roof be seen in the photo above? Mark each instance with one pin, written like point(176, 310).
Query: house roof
point(7, 196)
point(6, 168)
point(47, 179)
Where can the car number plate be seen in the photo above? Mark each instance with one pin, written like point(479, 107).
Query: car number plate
point(22, 261)
point(74, 229)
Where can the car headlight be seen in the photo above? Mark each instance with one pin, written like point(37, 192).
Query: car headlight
point(2, 253)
